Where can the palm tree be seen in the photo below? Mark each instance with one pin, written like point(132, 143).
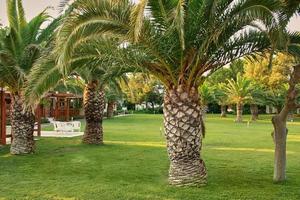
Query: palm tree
point(239, 93)
point(97, 80)
point(94, 73)
point(206, 96)
point(19, 50)
point(177, 41)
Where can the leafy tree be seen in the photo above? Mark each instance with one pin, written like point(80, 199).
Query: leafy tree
point(178, 42)
point(258, 97)
point(287, 43)
point(113, 93)
point(19, 50)
point(136, 88)
point(225, 73)
point(155, 95)
point(220, 97)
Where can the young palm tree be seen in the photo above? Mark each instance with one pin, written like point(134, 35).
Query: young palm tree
point(19, 50)
point(239, 93)
point(206, 97)
point(177, 41)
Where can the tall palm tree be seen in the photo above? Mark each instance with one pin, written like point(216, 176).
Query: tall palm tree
point(19, 50)
point(96, 81)
point(239, 93)
point(177, 41)
point(95, 73)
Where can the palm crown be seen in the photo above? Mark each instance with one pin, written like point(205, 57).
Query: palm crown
point(176, 40)
point(21, 45)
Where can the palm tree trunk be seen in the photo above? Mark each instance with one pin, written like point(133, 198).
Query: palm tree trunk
point(239, 113)
point(223, 111)
point(110, 109)
point(254, 112)
point(93, 108)
point(22, 124)
point(184, 132)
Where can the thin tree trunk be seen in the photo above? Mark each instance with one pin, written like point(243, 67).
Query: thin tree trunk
point(184, 131)
point(223, 111)
point(239, 113)
point(110, 109)
point(93, 108)
point(254, 112)
point(280, 128)
point(22, 124)
point(279, 137)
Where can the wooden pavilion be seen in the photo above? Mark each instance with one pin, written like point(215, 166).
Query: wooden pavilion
point(61, 106)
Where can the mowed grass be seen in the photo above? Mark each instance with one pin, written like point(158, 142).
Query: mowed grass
point(133, 164)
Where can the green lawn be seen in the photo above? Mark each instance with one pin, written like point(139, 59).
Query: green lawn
point(133, 164)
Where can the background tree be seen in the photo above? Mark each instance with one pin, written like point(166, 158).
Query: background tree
point(19, 50)
point(206, 96)
point(287, 43)
point(136, 88)
point(221, 98)
point(239, 93)
point(258, 97)
point(155, 95)
point(113, 94)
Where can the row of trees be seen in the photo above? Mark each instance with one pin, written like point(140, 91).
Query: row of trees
point(177, 41)
point(251, 83)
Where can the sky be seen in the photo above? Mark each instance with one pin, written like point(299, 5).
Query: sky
point(33, 7)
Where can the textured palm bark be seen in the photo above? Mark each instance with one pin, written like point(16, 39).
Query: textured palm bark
point(239, 113)
point(184, 132)
point(22, 124)
point(254, 112)
point(223, 111)
point(110, 109)
point(93, 108)
point(280, 126)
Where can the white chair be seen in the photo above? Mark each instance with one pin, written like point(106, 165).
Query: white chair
point(76, 125)
point(66, 126)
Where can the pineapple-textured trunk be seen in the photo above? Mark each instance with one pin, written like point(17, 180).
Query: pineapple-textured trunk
point(279, 137)
point(93, 108)
point(110, 109)
point(184, 132)
point(254, 112)
point(239, 113)
point(223, 111)
point(22, 124)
